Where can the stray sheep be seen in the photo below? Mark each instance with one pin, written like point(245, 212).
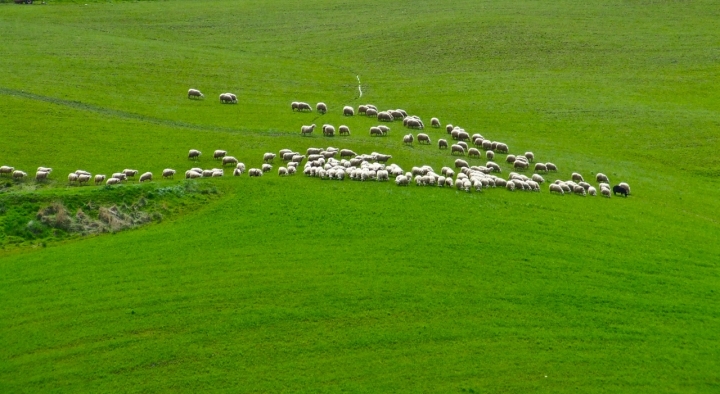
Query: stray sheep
point(167, 173)
point(195, 94)
point(577, 177)
point(348, 111)
point(306, 130)
point(146, 177)
point(321, 108)
point(435, 122)
point(194, 154)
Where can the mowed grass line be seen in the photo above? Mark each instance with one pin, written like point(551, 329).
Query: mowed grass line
point(301, 285)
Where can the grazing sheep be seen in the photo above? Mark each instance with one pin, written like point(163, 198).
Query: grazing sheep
point(408, 139)
point(41, 175)
point(592, 191)
point(455, 148)
point(579, 190)
point(328, 130)
point(310, 151)
point(585, 185)
point(255, 172)
point(397, 114)
point(344, 130)
point(99, 178)
point(493, 166)
point(217, 173)
point(298, 158)
point(321, 108)
point(402, 180)
point(120, 176)
point(510, 186)
point(237, 172)
point(551, 167)
point(626, 186)
point(195, 94)
point(385, 130)
point(190, 174)
point(502, 148)
point(219, 154)
point(383, 176)
point(461, 164)
point(228, 98)
point(6, 170)
point(306, 130)
point(478, 142)
point(194, 154)
point(83, 178)
point(229, 160)
point(282, 171)
point(348, 111)
point(463, 136)
point(600, 177)
point(128, 173)
point(605, 192)
point(375, 131)
point(442, 144)
point(240, 166)
point(385, 116)
point(490, 155)
point(146, 177)
point(530, 156)
point(294, 105)
point(167, 173)
point(382, 158)
point(347, 153)
point(473, 152)
point(435, 122)
point(291, 170)
point(556, 188)
point(449, 128)
point(268, 157)
point(304, 107)
point(423, 138)
point(520, 165)
point(487, 144)
point(371, 112)
point(266, 168)
point(540, 167)
point(112, 181)
point(414, 123)
point(362, 109)
point(617, 189)
point(537, 178)
point(577, 177)
point(510, 159)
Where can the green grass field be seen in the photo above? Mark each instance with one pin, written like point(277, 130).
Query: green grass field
point(301, 285)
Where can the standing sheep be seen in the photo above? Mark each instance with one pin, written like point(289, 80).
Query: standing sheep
point(112, 181)
point(321, 108)
point(194, 154)
point(423, 138)
point(461, 164)
point(266, 168)
point(229, 160)
point(455, 148)
point(551, 167)
point(520, 165)
point(577, 177)
point(304, 107)
point(6, 170)
point(540, 167)
point(282, 171)
point(530, 156)
point(408, 139)
point(41, 175)
point(268, 157)
point(473, 152)
point(600, 177)
point(255, 172)
point(347, 153)
point(146, 177)
point(344, 130)
point(348, 111)
point(99, 178)
point(490, 155)
point(328, 130)
point(375, 131)
point(384, 116)
point(195, 94)
point(371, 112)
point(228, 98)
point(442, 144)
point(219, 154)
point(167, 173)
point(307, 130)
point(294, 106)
point(129, 173)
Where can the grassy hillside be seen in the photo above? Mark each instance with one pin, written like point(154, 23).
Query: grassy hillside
point(302, 285)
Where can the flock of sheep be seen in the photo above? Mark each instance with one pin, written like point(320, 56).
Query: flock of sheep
point(337, 164)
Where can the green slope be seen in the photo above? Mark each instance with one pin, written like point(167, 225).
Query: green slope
point(296, 284)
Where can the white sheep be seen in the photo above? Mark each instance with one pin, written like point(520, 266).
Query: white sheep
point(540, 167)
point(321, 108)
point(240, 166)
point(291, 170)
point(72, 177)
point(344, 130)
point(190, 174)
point(194, 154)
point(120, 176)
point(371, 112)
point(268, 157)
point(113, 181)
point(510, 159)
point(556, 188)
point(385, 116)
point(375, 131)
point(229, 160)
point(307, 130)
point(490, 155)
point(626, 186)
point(41, 175)
point(461, 163)
point(455, 148)
point(473, 152)
point(83, 178)
point(237, 172)
point(301, 106)
point(255, 172)
point(228, 98)
point(435, 122)
point(402, 180)
point(195, 94)
point(551, 167)
point(44, 169)
point(423, 138)
point(502, 148)
point(520, 165)
point(266, 168)
point(537, 178)
point(576, 177)
point(6, 170)
point(408, 139)
point(328, 130)
point(605, 192)
point(348, 111)
point(99, 178)
point(219, 154)
point(347, 153)
point(442, 144)
point(530, 156)
point(600, 177)
point(579, 190)
point(167, 173)
point(282, 171)
point(146, 177)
